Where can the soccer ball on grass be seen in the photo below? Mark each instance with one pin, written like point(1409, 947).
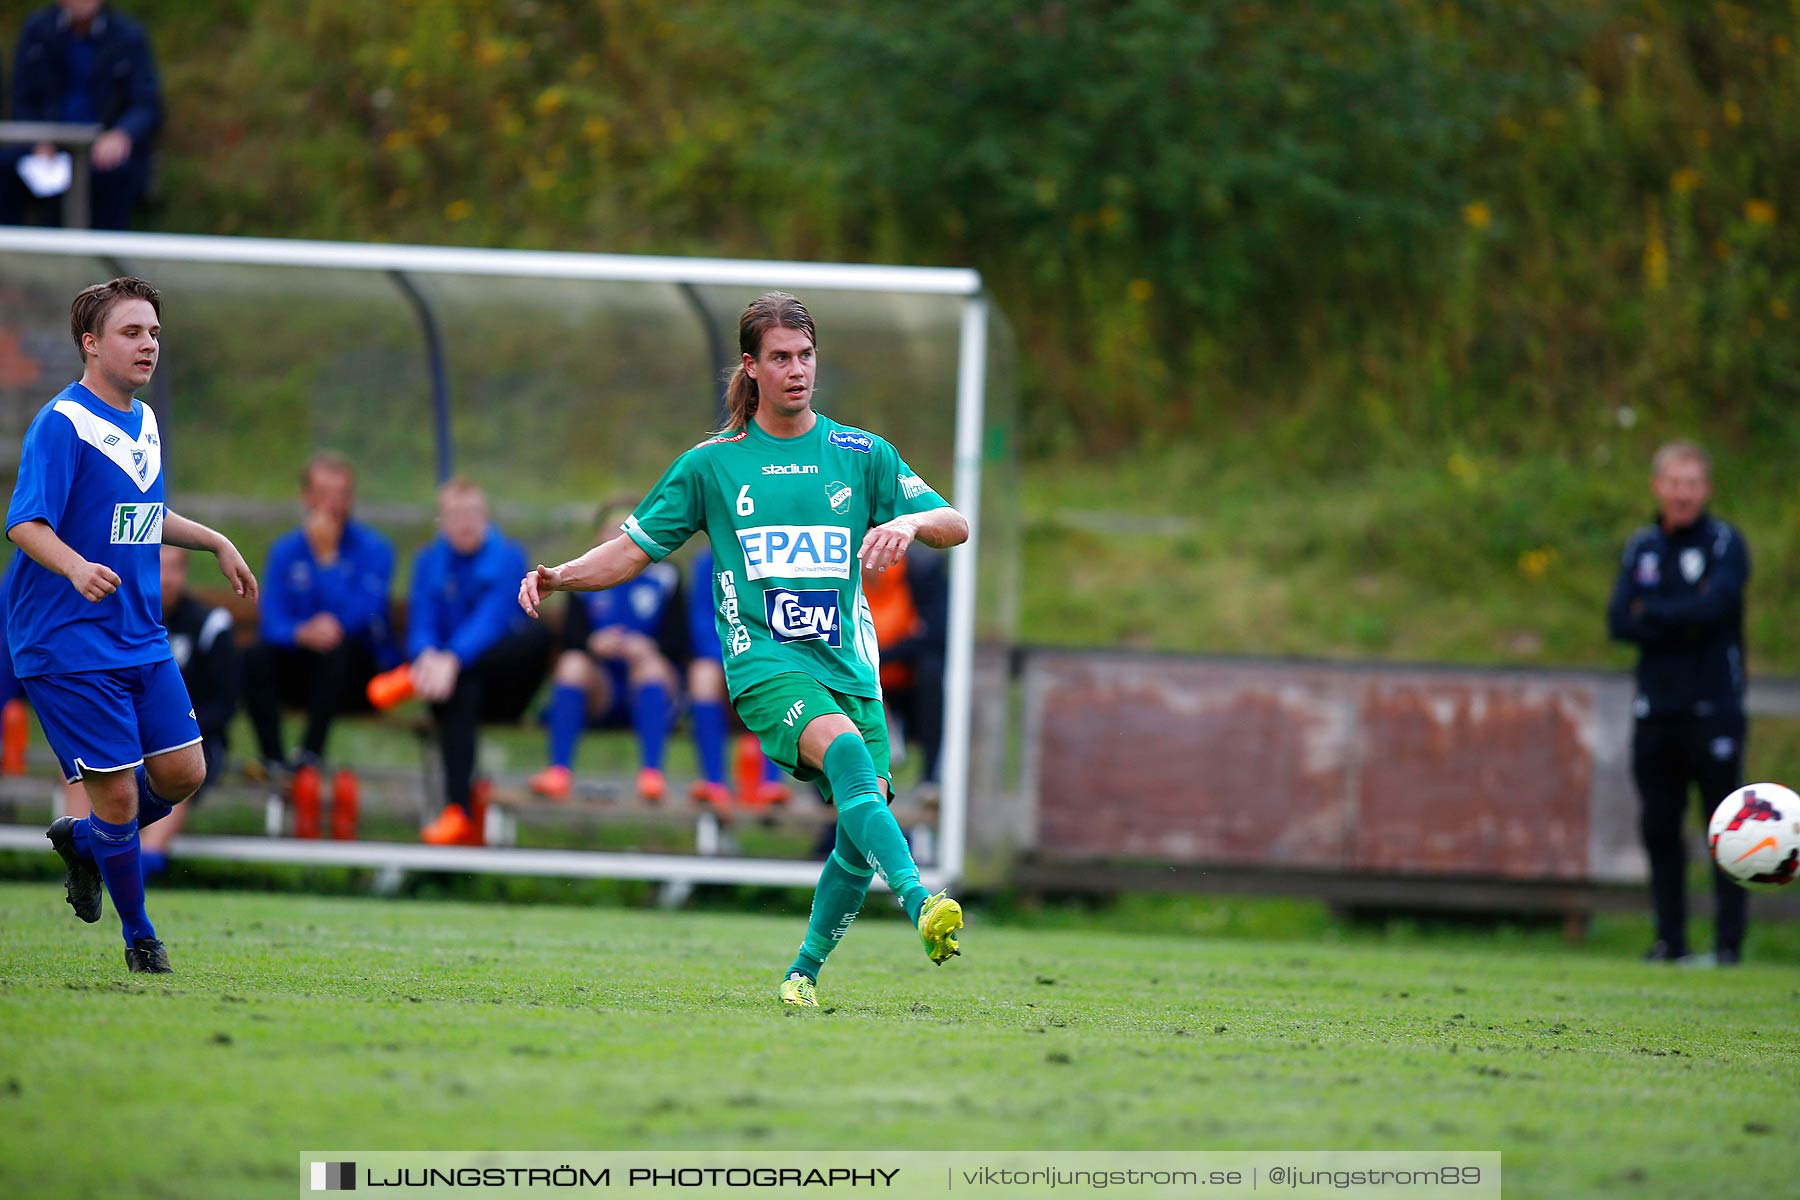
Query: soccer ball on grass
point(1754, 835)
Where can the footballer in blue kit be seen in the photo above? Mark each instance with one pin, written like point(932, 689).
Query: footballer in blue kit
point(84, 606)
point(617, 668)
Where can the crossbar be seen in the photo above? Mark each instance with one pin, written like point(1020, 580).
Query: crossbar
point(464, 260)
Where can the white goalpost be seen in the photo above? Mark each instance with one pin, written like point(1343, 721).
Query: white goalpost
point(495, 356)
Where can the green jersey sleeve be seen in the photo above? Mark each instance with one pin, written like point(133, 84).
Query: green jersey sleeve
point(672, 512)
point(897, 489)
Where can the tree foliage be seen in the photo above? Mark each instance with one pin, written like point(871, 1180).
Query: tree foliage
point(1368, 223)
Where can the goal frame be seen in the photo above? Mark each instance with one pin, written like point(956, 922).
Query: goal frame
point(115, 251)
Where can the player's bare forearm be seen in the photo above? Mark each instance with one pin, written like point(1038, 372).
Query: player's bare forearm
point(941, 528)
point(45, 548)
point(95, 581)
point(192, 535)
point(886, 544)
point(189, 534)
point(606, 565)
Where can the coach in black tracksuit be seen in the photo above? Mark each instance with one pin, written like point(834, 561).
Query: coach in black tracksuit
point(1680, 598)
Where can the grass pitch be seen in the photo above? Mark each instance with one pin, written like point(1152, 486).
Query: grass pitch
point(343, 1023)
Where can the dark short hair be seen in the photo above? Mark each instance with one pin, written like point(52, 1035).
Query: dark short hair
point(88, 312)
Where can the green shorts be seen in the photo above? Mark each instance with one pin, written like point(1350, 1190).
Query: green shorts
point(765, 709)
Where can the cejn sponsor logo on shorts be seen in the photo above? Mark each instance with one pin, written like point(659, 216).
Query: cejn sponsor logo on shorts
point(137, 524)
point(737, 639)
point(862, 443)
point(796, 552)
point(912, 486)
point(790, 469)
point(804, 616)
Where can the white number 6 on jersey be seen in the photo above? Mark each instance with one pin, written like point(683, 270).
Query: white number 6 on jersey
point(745, 505)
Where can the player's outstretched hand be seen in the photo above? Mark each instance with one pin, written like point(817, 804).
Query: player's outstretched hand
point(885, 545)
point(94, 581)
point(534, 587)
point(234, 568)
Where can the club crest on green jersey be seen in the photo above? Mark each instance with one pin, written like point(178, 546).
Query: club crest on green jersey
point(838, 492)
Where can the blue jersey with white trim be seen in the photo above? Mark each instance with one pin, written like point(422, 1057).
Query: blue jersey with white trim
point(638, 606)
point(93, 473)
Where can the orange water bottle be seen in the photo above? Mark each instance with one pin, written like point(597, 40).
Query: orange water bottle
point(15, 731)
point(306, 802)
point(391, 687)
point(344, 799)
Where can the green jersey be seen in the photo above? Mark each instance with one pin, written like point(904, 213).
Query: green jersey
point(786, 517)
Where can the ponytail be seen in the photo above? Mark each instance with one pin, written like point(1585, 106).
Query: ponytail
point(740, 399)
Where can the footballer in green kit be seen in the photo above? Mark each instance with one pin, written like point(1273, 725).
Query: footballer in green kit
point(795, 506)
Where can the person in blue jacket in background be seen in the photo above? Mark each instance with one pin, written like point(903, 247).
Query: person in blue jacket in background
point(81, 62)
point(475, 656)
point(323, 620)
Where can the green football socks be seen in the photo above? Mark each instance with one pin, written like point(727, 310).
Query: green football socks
point(864, 818)
point(843, 884)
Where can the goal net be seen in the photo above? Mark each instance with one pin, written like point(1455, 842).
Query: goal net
point(554, 381)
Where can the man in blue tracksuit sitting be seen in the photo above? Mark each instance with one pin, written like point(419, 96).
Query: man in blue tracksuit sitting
point(323, 619)
point(475, 655)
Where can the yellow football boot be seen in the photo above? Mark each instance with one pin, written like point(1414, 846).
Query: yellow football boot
point(797, 990)
point(938, 922)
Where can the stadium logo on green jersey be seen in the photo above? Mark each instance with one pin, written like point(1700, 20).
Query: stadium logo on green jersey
point(838, 492)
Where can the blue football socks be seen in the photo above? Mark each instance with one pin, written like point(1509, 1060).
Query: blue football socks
point(151, 807)
point(114, 849)
point(709, 738)
point(650, 718)
point(567, 716)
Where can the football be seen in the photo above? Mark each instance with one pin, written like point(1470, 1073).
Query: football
point(1755, 835)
